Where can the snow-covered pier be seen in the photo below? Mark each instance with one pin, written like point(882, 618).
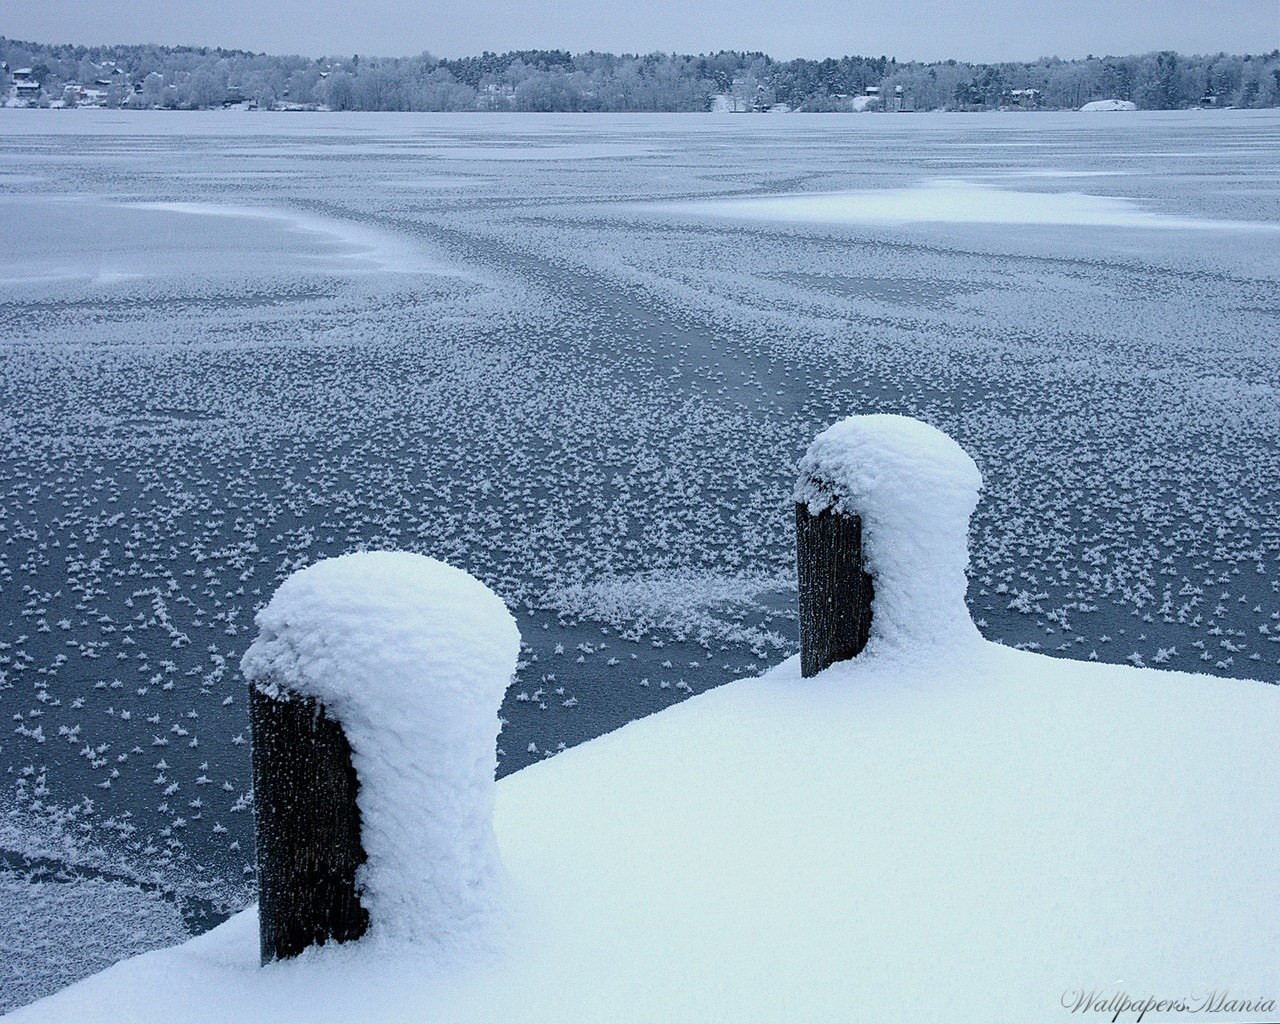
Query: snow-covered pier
point(938, 829)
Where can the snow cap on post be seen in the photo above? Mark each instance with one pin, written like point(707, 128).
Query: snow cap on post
point(914, 489)
point(412, 658)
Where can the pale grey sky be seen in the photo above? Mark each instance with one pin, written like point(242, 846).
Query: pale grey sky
point(908, 29)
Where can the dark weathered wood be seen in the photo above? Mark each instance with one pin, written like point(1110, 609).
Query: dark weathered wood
point(307, 827)
point(835, 589)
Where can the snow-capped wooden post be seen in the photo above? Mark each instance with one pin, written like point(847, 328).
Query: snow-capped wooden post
point(375, 683)
point(835, 588)
point(884, 499)
point(307, 826)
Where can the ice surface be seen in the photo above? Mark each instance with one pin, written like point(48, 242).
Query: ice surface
point(85, 925)
point(412, 657)
point(969, 838)
point(914, 489)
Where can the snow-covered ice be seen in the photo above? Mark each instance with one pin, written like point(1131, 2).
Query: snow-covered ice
point(84, 926)
point(412, 657)
point(65, 240)
point(958, 202)
point(335, 244)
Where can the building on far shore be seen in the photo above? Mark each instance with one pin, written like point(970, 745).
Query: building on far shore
point(26, 88)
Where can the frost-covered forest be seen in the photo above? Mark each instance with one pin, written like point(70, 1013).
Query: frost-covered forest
point(556, 80)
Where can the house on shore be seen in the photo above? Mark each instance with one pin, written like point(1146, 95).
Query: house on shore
point(1023, 99)
point(26, 89)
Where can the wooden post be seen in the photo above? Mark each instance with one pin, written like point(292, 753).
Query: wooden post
point(307, 827)
point(835, 589)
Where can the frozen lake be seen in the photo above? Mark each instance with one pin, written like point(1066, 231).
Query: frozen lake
point(578, 356)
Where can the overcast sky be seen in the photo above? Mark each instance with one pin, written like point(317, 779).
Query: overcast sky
point(979, 30)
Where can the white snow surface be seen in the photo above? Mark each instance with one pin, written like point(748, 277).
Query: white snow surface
point(948, 201)
point(412, 657)
point(1095, 105)
point(914, 489)
point(973, 836)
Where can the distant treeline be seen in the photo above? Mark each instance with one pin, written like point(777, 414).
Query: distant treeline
point(556, 80)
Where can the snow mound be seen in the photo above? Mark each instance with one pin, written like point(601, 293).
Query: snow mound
point(915, 489)
point(950, 201)
point(412, 656)
point(1109, 105)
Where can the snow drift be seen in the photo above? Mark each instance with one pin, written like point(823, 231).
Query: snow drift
point(1095, 105)
point(950, 201)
